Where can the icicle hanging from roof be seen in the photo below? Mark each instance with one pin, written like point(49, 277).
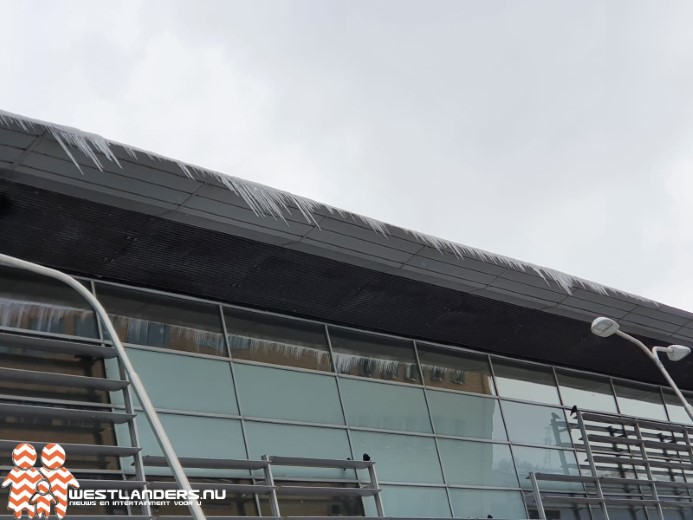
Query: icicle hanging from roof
point(266, 201)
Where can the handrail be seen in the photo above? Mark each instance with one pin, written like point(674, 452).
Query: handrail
point(149, 411)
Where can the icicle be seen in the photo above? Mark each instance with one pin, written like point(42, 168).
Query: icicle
point(265, 201)
point(43, 317)
point(288, 350)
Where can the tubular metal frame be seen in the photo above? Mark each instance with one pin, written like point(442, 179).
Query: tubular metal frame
point(128, 368)
point(624, 431)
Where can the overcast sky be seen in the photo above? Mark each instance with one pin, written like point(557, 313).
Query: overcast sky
point(556, 132)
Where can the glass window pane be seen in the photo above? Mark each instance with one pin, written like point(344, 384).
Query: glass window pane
point(640, 401)
point(462, 371)
point(587, 392)
point(179, 382)
point(32, 302)
point(377, 357)
point(411, 502)
point(276, 393)
point(150, 319)
point(533, 424)
point(194, 436)
point(478, 503)
point(287, 440)
point(384, 406)
point(538, 460)
point(635, 513)
point(310, 506)
point(280, 341)
point(568, 511)
point(399, 458)
point(526, 382)
point(477, 463)
point(466, 415)
point(677, 413)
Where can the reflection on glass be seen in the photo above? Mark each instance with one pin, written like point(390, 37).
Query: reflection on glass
point(639, 513)
point(477, 463)
point(190, 383)
point(377, 357)
point(277, 393)
point(308, 505)
point(640, 401)
point(288, 440)
point(587, 392)
point(383, 406)
point(461, 371)
point(534, 424)
point(478, 503)
point(567, 512)
point(411, 502)
point(529, 383)
point(539, 460)
point(279, 341)
point(677, 413)
point(466, 415)
point(37, 303)
point(234, 504)
point(161, 321)
point(191, 436)
point(400, 458)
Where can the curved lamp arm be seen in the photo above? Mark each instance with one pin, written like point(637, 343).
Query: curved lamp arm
point(652, 354)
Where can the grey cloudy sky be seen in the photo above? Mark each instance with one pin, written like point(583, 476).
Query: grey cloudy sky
point(556, 132)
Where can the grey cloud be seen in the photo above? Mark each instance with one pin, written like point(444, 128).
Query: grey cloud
point(544, 130)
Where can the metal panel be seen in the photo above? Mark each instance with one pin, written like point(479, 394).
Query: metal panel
point(366, 233)
point(105, 179)
point(597, 309)
point(173, 178)
point(541, 293)
point(79, 449)
point(466, 262)
point(198, 462)
point(28, 410)
point(55, 345)
point(52, 378)
point(363, 247)
point(9, 154)
point(453, 271)
point(239, 214)
point(307, 462)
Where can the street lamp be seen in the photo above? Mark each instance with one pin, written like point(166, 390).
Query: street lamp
point(605, 327)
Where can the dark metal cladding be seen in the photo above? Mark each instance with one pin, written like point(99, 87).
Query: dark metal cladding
point(101, 241)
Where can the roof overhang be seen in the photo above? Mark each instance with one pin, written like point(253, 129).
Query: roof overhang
point(67, 161)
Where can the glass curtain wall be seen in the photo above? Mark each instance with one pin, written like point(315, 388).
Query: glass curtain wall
point(454, 433)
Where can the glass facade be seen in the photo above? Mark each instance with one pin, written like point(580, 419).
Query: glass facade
point(453, 433)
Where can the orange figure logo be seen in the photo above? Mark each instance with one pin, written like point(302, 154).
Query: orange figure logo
point(59, 477)
point(33, 491)
point(43, 499)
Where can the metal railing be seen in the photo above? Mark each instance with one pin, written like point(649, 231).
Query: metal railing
point(126, 365)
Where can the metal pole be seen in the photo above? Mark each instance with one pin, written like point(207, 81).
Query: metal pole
point(147, 405)
point(652, 354)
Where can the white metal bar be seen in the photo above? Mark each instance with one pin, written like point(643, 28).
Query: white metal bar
point(143, 397)
point(269, 480)
point(652, 354)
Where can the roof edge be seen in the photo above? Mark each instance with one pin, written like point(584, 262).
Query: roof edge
point(267, 201)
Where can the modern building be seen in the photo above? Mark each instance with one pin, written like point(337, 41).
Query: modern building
point(266, 325)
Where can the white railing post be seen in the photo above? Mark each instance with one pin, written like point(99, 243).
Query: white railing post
point(149, 411)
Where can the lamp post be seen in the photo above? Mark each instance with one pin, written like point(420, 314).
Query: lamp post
point(605, 327)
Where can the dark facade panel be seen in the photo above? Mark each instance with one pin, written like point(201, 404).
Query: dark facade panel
point(101, 241)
